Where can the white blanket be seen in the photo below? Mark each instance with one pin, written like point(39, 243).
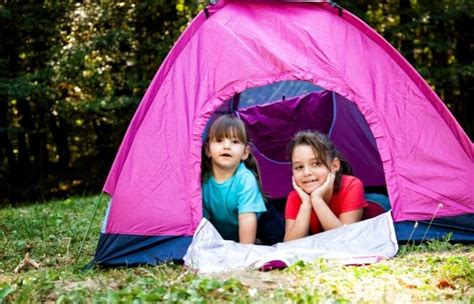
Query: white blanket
point(364, 242)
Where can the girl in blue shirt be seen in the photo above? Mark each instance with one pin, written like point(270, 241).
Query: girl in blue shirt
point(231, 188)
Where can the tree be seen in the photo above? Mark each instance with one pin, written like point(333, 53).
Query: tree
point(72, 74)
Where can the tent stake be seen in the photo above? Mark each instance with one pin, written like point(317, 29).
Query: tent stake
point(78, 255)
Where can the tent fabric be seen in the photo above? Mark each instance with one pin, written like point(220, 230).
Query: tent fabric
point(364, 242)
point(271, 127)
point(352, 137)
point(456, 228)
point(274, 92)
point(135, 250)
point(155, 179)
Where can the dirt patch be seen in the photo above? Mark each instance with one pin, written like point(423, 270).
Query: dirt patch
point(91, 285)
point(257, 279)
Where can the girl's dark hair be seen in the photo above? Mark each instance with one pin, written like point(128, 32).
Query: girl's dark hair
point(324, 149)
point(228, 126)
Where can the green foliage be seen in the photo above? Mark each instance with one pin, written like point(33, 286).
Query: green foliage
point(71, 76)
point(5, 290)
point(458, 268)
point(430, 246)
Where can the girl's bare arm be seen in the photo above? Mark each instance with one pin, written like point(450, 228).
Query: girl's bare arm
point(329, 220)
point(247, 228)
point(299, 227)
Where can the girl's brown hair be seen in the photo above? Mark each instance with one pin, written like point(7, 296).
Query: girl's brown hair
point(324, 149)
point(228, 126)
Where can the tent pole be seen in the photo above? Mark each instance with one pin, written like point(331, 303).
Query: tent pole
point(235, 102)
point(78, 255)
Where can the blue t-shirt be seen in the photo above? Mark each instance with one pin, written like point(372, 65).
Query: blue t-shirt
point(223, 202)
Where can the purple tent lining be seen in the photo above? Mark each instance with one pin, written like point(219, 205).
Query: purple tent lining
point(271, 127)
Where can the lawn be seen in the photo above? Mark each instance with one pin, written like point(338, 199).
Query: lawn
point(39, 245)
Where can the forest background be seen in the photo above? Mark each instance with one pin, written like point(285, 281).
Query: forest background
point(73, 72)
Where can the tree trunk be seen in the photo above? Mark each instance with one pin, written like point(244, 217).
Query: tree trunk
point(5, 144)
point(23, 153)
point(406, 43)
point(105, 152)
point(59, 129)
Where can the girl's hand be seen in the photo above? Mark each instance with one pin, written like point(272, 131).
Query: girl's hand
point(305, 198)
point(324, 191)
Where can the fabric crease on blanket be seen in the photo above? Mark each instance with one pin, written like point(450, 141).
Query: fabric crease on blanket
point(364, 242)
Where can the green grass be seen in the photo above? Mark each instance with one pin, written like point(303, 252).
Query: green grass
point(51, 233)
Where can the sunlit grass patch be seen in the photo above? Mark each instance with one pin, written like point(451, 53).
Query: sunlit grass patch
point(51, 233)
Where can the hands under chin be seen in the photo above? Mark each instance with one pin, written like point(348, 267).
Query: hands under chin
point(305, 197)
point(324, 191)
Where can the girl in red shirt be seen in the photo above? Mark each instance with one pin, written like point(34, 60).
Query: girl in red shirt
point(323, 198)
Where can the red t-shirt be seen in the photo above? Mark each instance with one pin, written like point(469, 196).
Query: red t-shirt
point(350, 197)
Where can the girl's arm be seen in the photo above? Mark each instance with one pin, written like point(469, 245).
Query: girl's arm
point(247, 228)
point(326, 217)
point(299, 227)
point(329, 220)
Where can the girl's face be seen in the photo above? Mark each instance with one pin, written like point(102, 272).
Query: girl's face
point(227, 153)
point(309, 171)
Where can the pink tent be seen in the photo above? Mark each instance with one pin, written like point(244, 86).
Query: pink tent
point(236, 45)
